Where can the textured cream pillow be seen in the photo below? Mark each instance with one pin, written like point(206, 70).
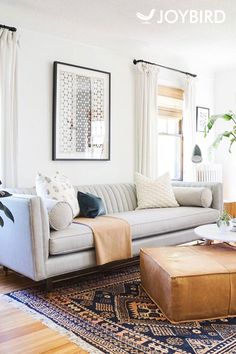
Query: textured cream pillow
point(60, 214)
point(58, 188)
point(154, 193)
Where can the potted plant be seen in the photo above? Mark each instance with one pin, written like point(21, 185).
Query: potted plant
point(4, 209)
point(229, 134)
point(223, 222)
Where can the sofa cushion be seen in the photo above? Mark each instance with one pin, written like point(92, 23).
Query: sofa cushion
point(57, 188)
point(60, 214)
point(156, 193)
point(74, 238)
point(121, 197)
point(144, 223)
point(90, 205)
point(117, 197)
point(193, 196)
point(148, 222)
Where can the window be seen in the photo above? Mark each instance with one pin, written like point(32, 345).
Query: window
point(170, 137)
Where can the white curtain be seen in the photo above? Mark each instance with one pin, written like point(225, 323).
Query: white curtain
point(146, 119)
point(189, 128)
point(8, 107)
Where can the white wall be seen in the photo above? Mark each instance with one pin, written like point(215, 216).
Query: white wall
point(37, 53)
point(39, 50)
point(36, 56)
point(225, 100)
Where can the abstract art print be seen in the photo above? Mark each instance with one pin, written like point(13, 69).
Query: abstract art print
point(81, 113)
point(202, 116)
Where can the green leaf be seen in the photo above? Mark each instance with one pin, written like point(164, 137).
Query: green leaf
point(227, 134)
point(4, 194)
point(218, 140)
point(229, 116)
point(212, 121)
point(7, 212)
point(231, 143)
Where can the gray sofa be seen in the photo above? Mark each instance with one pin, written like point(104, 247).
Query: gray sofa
point(30, 248)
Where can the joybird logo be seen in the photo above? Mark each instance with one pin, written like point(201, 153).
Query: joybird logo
point(146, 18)
point(182, 16)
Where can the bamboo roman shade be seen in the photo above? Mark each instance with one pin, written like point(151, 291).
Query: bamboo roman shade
point(170, 102)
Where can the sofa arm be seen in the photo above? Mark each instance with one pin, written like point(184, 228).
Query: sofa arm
point(24, 243)
point(215, 187)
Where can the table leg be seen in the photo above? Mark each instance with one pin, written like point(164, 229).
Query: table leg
point(207, 242)
point(229, 245)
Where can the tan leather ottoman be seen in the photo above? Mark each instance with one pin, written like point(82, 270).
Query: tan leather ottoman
point(191, 283)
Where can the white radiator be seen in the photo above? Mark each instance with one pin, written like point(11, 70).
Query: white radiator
point(209, 172)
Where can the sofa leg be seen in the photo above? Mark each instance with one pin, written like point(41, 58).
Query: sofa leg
point(49, 284)
point(5, 270)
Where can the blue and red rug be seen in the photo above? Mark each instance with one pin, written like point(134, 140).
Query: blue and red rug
point(110, 313)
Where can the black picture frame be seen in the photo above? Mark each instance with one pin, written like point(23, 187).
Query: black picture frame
point(56, 155)
point(202, 116)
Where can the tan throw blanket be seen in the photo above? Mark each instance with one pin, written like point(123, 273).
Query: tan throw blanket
point(112, 237)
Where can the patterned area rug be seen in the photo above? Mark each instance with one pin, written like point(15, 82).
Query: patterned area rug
point(112, 314)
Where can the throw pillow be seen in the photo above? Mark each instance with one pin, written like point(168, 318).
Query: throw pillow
point(60, 214)
point(90, 205)
point(58, 188)
point(193, 196)
point(154, 193)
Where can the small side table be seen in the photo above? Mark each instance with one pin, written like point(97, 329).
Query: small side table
point(230, 207)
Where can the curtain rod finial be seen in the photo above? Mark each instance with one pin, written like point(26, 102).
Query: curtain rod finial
point(135, 61)
point(13, 29)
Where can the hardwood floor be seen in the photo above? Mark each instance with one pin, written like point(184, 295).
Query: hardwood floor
point(20, 333)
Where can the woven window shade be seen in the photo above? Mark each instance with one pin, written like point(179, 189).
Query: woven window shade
point(170, 101)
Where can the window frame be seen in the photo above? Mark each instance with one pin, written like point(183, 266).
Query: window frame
point(180, 126)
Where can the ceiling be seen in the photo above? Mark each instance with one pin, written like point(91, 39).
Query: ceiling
point(113, 24)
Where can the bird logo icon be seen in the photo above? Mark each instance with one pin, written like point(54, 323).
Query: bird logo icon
point(146, 18)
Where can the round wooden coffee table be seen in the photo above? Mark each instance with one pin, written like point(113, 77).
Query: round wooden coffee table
point(212, 233)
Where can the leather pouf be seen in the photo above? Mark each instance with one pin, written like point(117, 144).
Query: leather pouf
point(191, 283)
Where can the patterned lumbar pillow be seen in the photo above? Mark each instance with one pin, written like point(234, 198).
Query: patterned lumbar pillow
point(60, 214)
point(90, 205)
point(154, 193)
point(57, 188)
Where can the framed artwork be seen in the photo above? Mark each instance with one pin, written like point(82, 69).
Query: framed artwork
point(81, 113)
point(202, 116)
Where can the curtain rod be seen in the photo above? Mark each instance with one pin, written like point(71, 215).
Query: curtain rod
point(13, 29)
point(162, 66)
